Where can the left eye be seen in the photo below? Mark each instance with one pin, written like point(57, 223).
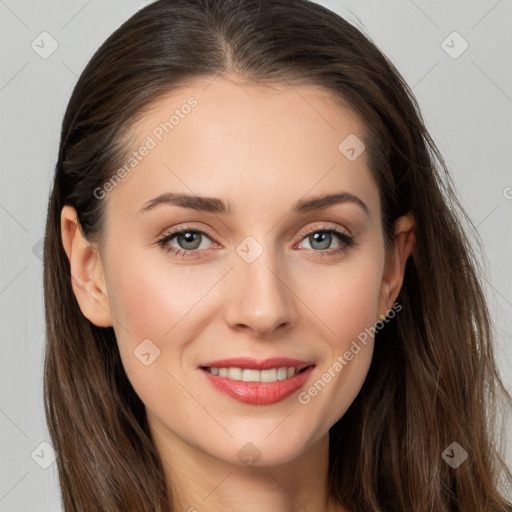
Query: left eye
point(321, 239)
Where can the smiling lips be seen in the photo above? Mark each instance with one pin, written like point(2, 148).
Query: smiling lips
point(257, 382)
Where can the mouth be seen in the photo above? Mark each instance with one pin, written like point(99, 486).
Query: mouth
point(252, 375)
point(257, 382)
point(247, 369)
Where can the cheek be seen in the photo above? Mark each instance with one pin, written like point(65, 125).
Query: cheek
point(149, 310)
point(348, 306)
point(138, 307)
point(149, 296)
point(346, 298)
point(158, 302)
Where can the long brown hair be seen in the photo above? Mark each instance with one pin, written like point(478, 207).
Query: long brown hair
point(433, 378)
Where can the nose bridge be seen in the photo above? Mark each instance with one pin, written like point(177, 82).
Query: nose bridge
point(260, 298)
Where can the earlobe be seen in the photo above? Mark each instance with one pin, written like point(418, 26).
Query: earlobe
point(401, 248)
point(87, 276)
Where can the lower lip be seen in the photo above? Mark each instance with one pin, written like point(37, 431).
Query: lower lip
point(259, 393)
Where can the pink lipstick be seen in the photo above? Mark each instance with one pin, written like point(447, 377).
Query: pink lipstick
point(257, 382)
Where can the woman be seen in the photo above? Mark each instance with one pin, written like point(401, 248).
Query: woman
point(259, 293)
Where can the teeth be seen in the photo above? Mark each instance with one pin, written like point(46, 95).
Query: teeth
point(250, 375)
point(281, 373)
point(234, 373)
point(268, 375)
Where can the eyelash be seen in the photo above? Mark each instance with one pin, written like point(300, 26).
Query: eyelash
point(346, 240)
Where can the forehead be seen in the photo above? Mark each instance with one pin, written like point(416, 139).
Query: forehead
point(262, 145)
point(246, 108)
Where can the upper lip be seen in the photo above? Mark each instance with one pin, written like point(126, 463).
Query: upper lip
point(261, 364)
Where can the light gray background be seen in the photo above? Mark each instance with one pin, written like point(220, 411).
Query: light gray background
point(466, 102)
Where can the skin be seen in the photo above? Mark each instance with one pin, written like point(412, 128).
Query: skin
point(259, 148)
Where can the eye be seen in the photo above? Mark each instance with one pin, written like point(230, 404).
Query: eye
point(189, 241)
point(321, 240)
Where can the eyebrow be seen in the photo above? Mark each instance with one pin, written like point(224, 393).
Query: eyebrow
point(215, 205)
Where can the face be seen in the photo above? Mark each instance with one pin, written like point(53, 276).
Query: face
point(256, 272)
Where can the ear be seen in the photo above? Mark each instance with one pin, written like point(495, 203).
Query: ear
point(87, 277)
point(401, 248)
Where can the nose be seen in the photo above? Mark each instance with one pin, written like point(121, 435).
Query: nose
point(260, 297)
